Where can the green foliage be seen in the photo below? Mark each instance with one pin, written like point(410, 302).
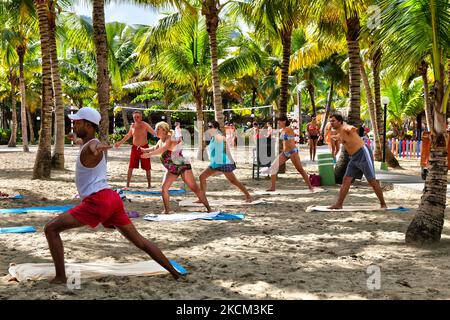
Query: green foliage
point(149, 94)
point(4, 135)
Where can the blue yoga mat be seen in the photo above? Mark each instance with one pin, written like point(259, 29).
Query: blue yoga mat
point(400, 209)
point(178, 267)
point(171, 191)
point(38, 209)
point(22, 229)
point(227, 216)
point(17, 196)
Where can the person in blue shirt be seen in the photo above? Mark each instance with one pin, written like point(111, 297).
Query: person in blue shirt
point(221, 161)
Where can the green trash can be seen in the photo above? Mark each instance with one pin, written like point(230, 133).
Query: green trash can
point(326, 169)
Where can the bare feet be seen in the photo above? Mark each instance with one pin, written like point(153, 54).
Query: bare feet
point(165, 212)
point(59, 280)
point(271, 189)
point(335, 206)
point(384, 206)
point(311, 189)
point(248, 199)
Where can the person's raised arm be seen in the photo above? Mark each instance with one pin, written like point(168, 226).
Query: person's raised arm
point(150, 129)
point(160, 148)
point(99, 147)
point(127, 136)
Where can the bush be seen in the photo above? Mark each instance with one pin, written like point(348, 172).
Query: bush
point(4, 136)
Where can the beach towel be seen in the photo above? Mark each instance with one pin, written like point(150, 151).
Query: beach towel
point(38, 209)
point(289, 192)
point(192, 203)
point(12, 197)
point(22, 229)
point(355, 208)
point(46, 271)
point(188, 216)
point(171, 192)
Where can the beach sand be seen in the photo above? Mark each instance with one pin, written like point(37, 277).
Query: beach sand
point(277, 252)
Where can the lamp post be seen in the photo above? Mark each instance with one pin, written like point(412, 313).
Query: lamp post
point(72, 109)
point(385, 102)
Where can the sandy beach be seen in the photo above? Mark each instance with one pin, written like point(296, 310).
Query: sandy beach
point(277, 252)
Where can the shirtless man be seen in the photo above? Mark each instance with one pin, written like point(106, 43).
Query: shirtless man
point(138, 131)
point(100, 204)
point(361, 160)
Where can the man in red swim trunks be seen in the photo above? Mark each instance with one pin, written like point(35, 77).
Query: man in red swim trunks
point(138, 131)
point(100, 204)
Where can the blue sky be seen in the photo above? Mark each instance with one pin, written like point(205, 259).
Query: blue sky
point(129, 14)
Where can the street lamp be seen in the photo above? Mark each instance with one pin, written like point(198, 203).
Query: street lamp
point(72, 109)
point(385, 102)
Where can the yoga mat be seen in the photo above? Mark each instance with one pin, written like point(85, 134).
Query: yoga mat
point(355, 208)
point(188, 216)
point(38, 209)
point(289, 192)
point(12, 197)
point(171, 192)
point(22, 229)
point(42, 271)
point(192, 203)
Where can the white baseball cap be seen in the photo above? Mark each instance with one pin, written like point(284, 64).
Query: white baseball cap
point(87, 113)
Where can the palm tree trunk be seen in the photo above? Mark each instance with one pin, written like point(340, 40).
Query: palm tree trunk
point(353, 28)
point(313, 99)
point(373, 114)
point(13, 138)
point(286, 42)
point(376, 59)
point(423, 69)
point(211, 10)
point(125, 119)
point(30, 125)
point(101, 52)
point(426, 226)
point(58, 150)
point(354, 111)
point(23, 111)
point(42, 164)
point(201, 141)
point(327, 108)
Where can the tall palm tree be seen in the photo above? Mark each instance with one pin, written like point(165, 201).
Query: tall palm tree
point(42, 164)
point(399, 36)
point(58, 150)
point(101, 52)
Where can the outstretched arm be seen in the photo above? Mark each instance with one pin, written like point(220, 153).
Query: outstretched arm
point(98, 148)
point(158, 149)
point(150, 129)
point(127, 136)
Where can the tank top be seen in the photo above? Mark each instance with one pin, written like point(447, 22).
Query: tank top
point(217, 154)
point(90, 180)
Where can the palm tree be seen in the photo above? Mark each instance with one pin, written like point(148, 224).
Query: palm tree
point(178, 50)
point(42, 165)
point(101, 51)
point(399, 36)
point(58, 150)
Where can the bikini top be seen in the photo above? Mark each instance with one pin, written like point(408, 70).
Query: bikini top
point(285, 137)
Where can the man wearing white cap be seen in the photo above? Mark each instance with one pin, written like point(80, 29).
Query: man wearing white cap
point(100, 204)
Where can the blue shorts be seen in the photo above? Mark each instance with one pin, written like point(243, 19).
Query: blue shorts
point(288, 154)
point(225, 168)
point(361, 162)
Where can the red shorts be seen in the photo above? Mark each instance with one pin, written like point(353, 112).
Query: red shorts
point(135, 158)
point(105, 207)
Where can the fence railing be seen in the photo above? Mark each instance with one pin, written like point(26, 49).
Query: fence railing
point(403, 148)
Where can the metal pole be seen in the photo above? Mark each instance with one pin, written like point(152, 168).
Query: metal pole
point(384, 134)
point(71, 124)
